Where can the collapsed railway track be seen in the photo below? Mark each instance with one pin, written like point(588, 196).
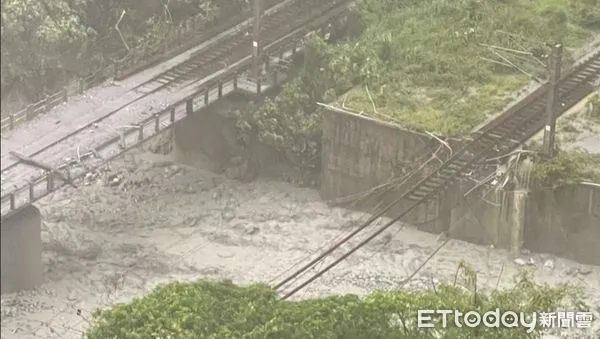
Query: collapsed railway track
point(500, 136)
point(278, 22)
point(144, 129)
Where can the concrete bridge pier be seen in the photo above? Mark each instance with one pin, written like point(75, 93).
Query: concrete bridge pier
point(21, 250)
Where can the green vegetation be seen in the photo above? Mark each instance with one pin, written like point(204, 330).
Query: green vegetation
point(424, 64)
point(47, 43)
point(567, 167)
point(593, 111)
point(221, 310)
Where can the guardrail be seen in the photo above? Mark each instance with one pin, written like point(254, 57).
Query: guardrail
point(45, 105)
point(132, 137)
point(220, 84)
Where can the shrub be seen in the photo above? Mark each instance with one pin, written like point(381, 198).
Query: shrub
point(221, 310)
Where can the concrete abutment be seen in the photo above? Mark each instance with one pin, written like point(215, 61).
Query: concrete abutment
point(360, 153)
point(21, 260)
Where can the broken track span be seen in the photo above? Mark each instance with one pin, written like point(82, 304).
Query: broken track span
point(226, 79)
point(503, 134)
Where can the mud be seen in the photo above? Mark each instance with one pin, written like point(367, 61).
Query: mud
point(147, 220)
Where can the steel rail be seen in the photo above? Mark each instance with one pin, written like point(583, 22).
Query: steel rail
point(111, 148)
point(274, 32)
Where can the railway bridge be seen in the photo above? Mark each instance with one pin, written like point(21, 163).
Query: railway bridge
point(67, 151)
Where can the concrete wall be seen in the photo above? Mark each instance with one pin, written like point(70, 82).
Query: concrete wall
point(21, 257)
point(565, 222)
point(360, 153)
point(488, 216)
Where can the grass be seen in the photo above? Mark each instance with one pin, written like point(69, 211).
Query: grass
point(593, 109)
point(568, 167)
point(427, 66)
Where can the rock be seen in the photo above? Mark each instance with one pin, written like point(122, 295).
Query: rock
point(228, 214)
point(549, 264)
point(233, 203)
point(234, 173)
point(114, 180)
point(531, 261)
point(571, 271)
point(520, 262)
point(584, 271)
point(89, 178)
point(252, 230)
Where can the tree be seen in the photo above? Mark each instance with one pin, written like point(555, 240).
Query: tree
point(42, 40)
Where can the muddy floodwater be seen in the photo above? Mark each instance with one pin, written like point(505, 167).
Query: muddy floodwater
point(158, 221)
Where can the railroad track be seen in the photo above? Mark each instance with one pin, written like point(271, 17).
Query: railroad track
point(234, 48)
point(274, 5)
point(504, 134)
point(282, 19)
point(220, 83)
point(199, 38)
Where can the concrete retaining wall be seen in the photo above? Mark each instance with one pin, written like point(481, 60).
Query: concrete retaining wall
point(21, 260)
point(565, 222)
point(360, 153)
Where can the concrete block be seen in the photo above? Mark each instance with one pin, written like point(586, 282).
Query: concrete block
point(21, 256)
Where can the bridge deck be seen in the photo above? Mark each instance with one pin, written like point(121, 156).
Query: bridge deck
point(50, 140)
point(83, 110)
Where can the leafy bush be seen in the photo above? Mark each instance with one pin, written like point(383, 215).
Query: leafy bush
point(593, 111)
point(424, 64)
point(39, 37)
point(47, 43)
point(567, 167)
point(221, 310)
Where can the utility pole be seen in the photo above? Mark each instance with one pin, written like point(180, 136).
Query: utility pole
point(256, 52)
point(554, 68)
